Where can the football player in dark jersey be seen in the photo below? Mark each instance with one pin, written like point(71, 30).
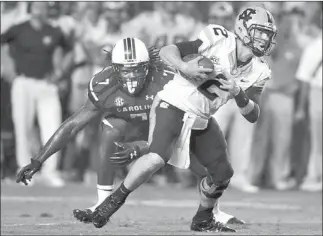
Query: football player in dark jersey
point(120, 95)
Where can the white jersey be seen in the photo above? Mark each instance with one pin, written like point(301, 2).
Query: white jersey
point(310, 66)
point(219, 45)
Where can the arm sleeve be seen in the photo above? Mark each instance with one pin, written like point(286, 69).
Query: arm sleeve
point(64, 42)
point(254, 92)
point(100, 87)
point(306, 66)
point(209, 36)
point(190, 47)
point(9, 35)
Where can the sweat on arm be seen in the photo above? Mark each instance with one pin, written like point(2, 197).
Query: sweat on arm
point(68, 130)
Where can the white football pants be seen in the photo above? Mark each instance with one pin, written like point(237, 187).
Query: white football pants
point(34, 98)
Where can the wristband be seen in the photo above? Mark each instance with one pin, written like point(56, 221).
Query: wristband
point(242, 99)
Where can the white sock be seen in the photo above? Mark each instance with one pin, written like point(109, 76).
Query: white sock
point(103, 192)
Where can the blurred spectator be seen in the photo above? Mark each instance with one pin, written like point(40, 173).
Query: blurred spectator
point(11, 13)
point(34, 91)
point(310, 72)
point(164, 25)
point(221, 13)
point(276, 119)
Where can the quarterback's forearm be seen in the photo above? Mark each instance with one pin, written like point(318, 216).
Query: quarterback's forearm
point(171, 55)
point(248, 108)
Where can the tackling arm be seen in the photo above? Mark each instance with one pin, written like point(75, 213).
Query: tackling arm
point(68, 130)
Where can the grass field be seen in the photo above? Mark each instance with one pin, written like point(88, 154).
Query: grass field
point(40, 210)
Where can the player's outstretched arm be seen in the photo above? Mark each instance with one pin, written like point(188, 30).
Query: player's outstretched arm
point(59, 139)
point(172, 55)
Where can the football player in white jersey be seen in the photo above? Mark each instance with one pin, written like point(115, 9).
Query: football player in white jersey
point(181, 117)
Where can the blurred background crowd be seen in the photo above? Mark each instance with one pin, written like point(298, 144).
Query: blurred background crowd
point(280, 151)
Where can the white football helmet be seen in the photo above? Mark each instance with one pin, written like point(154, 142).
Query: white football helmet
point(130, 58)
point(256, 28)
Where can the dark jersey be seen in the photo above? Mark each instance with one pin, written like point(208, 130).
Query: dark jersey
point(106, 94)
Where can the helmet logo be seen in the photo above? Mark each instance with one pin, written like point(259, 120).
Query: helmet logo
point(129, 47)
point(246, 14)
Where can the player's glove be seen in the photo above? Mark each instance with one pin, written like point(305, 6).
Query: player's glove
point(155, 60)
point(27, 172)
point(126, 153)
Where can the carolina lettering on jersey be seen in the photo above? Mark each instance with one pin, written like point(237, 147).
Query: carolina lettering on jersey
point(106, 94)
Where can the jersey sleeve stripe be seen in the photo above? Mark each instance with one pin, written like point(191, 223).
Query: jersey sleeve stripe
point(106, 122)
point(91, 90)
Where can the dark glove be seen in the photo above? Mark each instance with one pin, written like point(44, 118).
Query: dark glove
point(155, 60)
point(126, 153)
point(28, 171)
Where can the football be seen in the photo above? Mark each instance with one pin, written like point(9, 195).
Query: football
point(204, 62)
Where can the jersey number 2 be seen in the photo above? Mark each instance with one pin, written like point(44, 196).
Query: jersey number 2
point(223, 32)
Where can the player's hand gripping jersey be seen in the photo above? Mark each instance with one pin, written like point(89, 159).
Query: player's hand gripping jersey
point(106, 94)
point(219, 45)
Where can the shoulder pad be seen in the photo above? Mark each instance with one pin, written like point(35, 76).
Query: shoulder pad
point(212, 34)
point(101, 84)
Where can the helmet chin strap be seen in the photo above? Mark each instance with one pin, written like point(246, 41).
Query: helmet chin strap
point(250, 46)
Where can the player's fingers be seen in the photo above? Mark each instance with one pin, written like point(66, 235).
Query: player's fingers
point(20, 175)
point(205, 70)
point(222, 81)
point(227, 75)
point(120, 145)
point(202, 76)
point(30, 174)
point(197, 59)
point(24, 181)
point(120, 154)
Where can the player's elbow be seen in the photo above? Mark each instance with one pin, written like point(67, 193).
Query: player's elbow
point(253, 116)
point(166, 51)
point(252, 119)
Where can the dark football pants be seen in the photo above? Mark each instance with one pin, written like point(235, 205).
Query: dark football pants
point(209, 145)
point(124, 131)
